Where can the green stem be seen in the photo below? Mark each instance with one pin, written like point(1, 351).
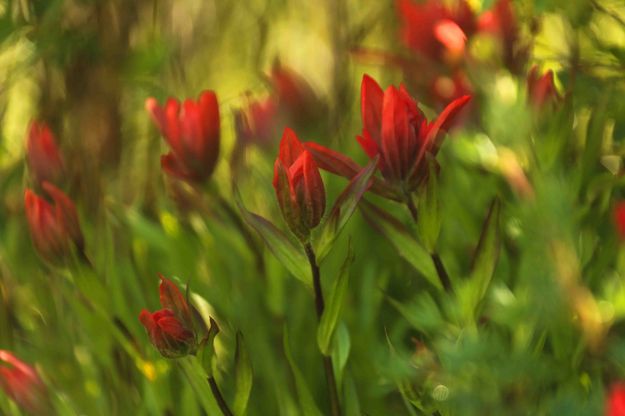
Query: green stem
point(438, 263)
point(335, 407)
point(223, 406)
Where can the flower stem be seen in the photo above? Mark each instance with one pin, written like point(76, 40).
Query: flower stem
point(223, 406)
point(438, 263)
point(319, 306)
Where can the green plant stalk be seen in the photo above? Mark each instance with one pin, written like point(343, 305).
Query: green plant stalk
point(438, 263)
point(209, 394)
point(335, 407)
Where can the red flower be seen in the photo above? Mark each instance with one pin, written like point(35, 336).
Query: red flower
point(435, 30)
point(257, 122)
point(22, 384)
point(192, 133)
point(541, 90)
point(298, 186)
point(54, 228)
point(171, 329)
point(615, 405)
point(44, 158)
point(619, 218)
point(501, 23)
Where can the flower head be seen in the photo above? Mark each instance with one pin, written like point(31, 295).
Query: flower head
point(298, 186)
point(615, 405)
point(192, 132)
point(171, 329)
point(541, 89)
point(396, 129)
point(23, 385)
point(619, 218)
point(42, 153)
point(54, 228)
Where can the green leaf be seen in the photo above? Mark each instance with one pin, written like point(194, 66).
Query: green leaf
point(487, 252)
point(341, 346)
point(402, 240)
point(429, 221)
point(291, 256)
point(197, 377)
point(243, 376)
point(206, 351)
point(307, 403)
point(422, 313)
point(344, 207)
point(333, 306)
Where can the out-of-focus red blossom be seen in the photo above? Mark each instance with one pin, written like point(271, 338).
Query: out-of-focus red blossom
point(619, 218)
point(541, 90)
point(395, 129)
point(501, 22)
point(54, 228)
point(436, 30)
point(171, 328)
point(22, 384)
point(615, 405)
point(291, 102)
point(42, 152)
point(298, 186)
point(192, 132)
point(445, 89)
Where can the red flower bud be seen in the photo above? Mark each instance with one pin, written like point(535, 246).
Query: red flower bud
point(619, 218)
point(541, 90)
point(298, 186)
point(54, 228)
point(171, 328)
point(615, 405)
point(192, 133)
point(44, 158)
point(434, 30)
point(22, 384)
point(395, 128)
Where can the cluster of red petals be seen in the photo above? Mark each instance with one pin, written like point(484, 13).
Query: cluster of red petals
point(298, 186)
point(619, 218)
point(192, 132)
point(42, 153)
point(54, 227)
point(435, 30)
point(615, 405)
point(22, 384)
point(292, 102)
point(440, 32)
point(395, 130)
point(171, 328)
point(541, 89)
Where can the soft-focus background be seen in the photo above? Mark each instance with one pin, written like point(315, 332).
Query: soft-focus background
point(545, 338)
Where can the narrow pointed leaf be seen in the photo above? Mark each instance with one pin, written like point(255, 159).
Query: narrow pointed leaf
point(343, 208)
point(291, 256)
point(332, 311)
point(402, 240)
point(243, 377)
point(487, 252)
point(307, 403)
point(429, 221)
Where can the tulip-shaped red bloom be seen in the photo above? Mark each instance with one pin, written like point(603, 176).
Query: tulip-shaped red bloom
point(615, 405)
point(434, 30)
point(541, 90)
point(54, 228)
point(23, 385)
point(395, 129)
point(44, 158)
point(192, 133)
point(171, 328)
point(298, 186)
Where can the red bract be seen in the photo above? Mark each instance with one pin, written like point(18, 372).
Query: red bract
point(22, 384)
point(44, 158)
point(434, 30)
point(615, 405)
point(192, 133)
point(298, 186)
point(171, 329)
point(619, 218)
point(501, 23)
point(54, 228)
point(541, 90)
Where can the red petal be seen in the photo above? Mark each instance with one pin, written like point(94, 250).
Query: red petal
point(314, 192)
point(290, 147)
point(172, 299)
point(371, 101)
